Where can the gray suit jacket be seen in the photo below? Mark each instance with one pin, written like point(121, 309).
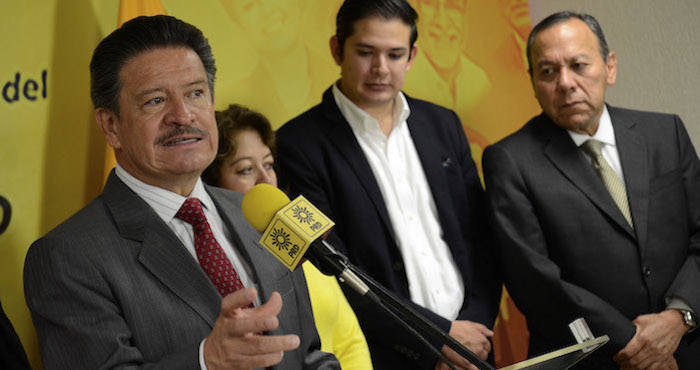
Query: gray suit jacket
point(113, 287)
point(565, 249)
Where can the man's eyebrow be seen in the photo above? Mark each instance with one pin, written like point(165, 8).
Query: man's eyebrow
point(160, 89)
point(197, 82)
point(150, 91)
point(370, 46)
point(575, 57)
point(363, 45)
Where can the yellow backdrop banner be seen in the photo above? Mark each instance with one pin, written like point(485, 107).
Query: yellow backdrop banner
point(26, 75)
point(272, 55)
point(48, 142)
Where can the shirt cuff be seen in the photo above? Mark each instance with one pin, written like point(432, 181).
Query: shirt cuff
point(202, 365)
point(678, 304)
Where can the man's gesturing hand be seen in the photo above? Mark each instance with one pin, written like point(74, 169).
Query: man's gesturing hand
point(236, 342)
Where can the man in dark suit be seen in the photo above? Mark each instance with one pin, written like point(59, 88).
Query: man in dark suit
point(161, 271)
point(396, 175)
point(597, 210)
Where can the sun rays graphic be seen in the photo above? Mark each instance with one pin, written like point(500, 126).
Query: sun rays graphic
point(280, 239)
point(303, 215)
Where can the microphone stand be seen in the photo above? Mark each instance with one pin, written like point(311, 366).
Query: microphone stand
point(331, 262)
point(379, 302)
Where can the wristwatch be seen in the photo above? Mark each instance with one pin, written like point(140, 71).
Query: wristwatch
point(689, 318)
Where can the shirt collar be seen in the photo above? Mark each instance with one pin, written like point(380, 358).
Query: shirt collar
point(605, 133)
point(165, 202)
point(359, 119)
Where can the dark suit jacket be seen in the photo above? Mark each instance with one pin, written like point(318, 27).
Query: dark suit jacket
point(12, 356)
point(113, 287)
point(566, 251)
point(320, 158)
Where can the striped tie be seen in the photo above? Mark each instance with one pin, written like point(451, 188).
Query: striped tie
point(610, 179)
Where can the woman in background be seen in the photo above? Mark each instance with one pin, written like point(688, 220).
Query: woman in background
point(246, 158)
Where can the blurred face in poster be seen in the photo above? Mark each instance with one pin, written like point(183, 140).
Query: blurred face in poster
point(570, 76)
point(441, 26)
point(272, 25)
point(517, 14)
point(375, 61)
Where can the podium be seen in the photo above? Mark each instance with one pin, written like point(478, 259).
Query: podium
point(561, 359)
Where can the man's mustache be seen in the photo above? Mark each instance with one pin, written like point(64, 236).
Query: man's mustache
point(179, 131)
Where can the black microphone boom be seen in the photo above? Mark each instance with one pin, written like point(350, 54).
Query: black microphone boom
point(263, 206)
point(333, 263)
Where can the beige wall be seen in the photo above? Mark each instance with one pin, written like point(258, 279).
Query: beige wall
point(658, 47)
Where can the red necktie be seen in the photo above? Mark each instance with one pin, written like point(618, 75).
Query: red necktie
point(209, 253)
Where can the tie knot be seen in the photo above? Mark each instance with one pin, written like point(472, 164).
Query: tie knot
point(592, 147)
point(191, 212)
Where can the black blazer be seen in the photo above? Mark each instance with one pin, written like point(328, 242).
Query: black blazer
point(320, 158)
point(567, 251)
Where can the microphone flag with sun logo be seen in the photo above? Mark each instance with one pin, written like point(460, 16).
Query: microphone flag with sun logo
point(292, 230)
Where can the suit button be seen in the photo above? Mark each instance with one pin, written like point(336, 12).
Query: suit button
point(398, 266)
point(646, 271)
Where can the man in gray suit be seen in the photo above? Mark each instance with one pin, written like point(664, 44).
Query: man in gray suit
point(597, 210)
point(134, 279)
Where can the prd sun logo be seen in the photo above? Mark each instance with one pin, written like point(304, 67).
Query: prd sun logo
point(280, 239)
point(301, 214)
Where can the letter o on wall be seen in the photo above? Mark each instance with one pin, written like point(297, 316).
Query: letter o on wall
point(6, 214)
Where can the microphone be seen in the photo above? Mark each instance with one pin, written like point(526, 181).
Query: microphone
point(291, 231)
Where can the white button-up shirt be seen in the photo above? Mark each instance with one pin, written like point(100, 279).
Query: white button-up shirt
point(433, 278)
point(605, 135)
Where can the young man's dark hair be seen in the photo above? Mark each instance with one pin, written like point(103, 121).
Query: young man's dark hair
point(353, 10)
point(564, 16)
point(133, 38)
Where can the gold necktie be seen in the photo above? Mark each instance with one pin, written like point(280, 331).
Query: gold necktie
point(610, 179)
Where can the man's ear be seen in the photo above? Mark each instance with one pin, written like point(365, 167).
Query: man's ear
point(108, 123)
point(412, 56)
point(335, 49)
point(611, 65)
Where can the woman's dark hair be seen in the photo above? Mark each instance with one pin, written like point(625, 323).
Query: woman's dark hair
point(231, 122)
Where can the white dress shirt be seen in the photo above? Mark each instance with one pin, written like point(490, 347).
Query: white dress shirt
point(605, 135)
point(433, 278)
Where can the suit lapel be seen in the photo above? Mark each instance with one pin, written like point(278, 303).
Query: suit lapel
point(245, 240)
point(633, 155)
point(340, 133)
point(432, 158)
point(569, 160)
point(161, 252)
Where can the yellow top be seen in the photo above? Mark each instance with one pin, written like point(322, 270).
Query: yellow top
point(336, 322)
